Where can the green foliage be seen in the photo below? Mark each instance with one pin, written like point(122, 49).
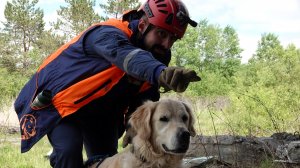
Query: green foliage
point(264, 94)
point(24, 22)
point(22, 30)
point(7, 58)
point(216, 46)
point(116, 8)
point(269, 48)
point(10, 84)
point(185, 51)
point(48, 43)
point(214, 53)
point(268, 95)
point(72, 20)
point(212, 84)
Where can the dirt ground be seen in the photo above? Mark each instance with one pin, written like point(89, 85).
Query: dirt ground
point(8, 116)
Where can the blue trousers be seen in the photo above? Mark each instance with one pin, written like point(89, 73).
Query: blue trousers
point(97, 132)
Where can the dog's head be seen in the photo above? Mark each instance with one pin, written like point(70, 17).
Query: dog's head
point(167, 125)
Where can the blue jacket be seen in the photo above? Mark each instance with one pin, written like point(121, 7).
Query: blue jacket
point(85, 69)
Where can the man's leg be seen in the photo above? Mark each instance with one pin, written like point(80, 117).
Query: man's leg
point(67, 142)
point(101, 135)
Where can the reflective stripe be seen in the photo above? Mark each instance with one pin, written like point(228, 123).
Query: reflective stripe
point(129, 57)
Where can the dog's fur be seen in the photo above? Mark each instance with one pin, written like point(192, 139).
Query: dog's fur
point(159, 134)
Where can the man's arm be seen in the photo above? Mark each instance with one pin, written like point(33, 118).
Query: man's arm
point(114, 46)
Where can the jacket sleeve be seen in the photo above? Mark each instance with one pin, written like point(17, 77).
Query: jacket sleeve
point(112, 45)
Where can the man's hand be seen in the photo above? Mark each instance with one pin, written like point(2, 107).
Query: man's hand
point(177, 78)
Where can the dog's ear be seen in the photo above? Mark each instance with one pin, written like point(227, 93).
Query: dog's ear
point(191, 127)
point(130, 133)
point(140, 120)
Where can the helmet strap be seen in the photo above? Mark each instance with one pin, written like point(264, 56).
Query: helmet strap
point(150, 26)
point(140, 39)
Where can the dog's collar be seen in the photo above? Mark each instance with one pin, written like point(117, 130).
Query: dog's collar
point(95, 159)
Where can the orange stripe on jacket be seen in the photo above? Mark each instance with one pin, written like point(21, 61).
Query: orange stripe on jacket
point(122, 25)
point(76, 96)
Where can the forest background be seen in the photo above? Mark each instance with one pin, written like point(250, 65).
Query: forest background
point(257, 98)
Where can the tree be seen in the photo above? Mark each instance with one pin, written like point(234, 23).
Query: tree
point(75, 17)
point(24, 22)
point(185, 51)
point(214, 52)
point(269, 48)
point(7, 59)
point(220, 53)
point(48, 43)
point(117, 7)
point(218, 46)
point(23, 26)
point(229, 48)
point(267, 89)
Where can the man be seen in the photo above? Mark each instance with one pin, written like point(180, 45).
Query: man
point(81, 93)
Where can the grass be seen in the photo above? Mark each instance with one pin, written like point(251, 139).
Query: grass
point(11, 157)
point(211, 119)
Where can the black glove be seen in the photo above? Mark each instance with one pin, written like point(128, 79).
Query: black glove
point(177, 78)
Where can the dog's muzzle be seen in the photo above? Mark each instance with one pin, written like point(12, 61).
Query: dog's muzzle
point(182, 142)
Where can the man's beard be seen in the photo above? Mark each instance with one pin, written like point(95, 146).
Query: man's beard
point(157, 50)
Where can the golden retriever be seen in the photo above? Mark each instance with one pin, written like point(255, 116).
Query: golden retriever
point(159, 135)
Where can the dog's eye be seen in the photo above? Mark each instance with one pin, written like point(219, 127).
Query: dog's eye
point(164, 119)
point(184, 118)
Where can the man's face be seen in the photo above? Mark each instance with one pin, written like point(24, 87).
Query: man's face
point(158, 41)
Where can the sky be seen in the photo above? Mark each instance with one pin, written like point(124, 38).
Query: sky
point(250, 18)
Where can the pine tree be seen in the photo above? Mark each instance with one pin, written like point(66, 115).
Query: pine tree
point(116, 8)
point(24, 22)
point(76, 17)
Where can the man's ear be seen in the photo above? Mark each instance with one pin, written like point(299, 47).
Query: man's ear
point(142, 26)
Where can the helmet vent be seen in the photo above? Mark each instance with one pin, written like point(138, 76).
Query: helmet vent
point(169, 19)
point(163, 11)
point(159, 1)
point(162, 5)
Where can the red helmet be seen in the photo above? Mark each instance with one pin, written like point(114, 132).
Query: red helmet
point(171, 15)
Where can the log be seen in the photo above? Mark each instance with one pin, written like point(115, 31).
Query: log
point(242, 151)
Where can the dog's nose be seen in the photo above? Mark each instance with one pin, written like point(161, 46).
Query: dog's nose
point(184, 136)
point(183, 140)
